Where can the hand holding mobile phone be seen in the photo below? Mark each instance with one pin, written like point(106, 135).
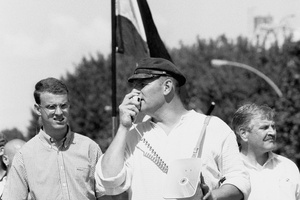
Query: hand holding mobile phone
point(137, 101)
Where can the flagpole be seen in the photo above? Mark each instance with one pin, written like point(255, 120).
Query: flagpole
point(113, 67)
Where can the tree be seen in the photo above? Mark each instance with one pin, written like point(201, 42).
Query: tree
point(34, 126)
point(228, 87)
point(89, 95)
point(289, 106)
point(13, 133)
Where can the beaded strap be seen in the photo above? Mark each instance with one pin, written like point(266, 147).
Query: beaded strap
point(158, 161)
point(154, 157)
point(151, 153)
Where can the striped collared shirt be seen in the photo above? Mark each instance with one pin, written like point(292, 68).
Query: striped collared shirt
point(54, 170)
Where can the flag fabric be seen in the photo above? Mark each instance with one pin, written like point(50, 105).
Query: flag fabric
point(136, 33)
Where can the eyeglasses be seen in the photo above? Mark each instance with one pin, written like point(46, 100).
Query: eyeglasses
point(52, 107)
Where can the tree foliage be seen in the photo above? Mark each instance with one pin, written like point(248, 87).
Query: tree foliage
point(89, 97)
point(227, 86)
point(13, 133)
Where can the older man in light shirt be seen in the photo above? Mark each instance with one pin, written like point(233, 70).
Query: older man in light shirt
point(272, 176)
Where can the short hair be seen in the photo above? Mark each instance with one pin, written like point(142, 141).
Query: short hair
point(244, 114)
point(3, 139)
point(51, 85)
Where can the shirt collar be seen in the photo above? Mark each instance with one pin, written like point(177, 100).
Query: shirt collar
point(66, 141)
point(189, 113)
point(271, 158)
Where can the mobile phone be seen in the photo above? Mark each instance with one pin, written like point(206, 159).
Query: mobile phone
point(137, 99)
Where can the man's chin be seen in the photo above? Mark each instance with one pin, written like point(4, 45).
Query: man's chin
point(271, 147)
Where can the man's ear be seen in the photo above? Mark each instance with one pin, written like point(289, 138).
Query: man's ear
point(168, 85)
point(5, 160)
point(243, 134)
point(37, 109)
point(1, 151)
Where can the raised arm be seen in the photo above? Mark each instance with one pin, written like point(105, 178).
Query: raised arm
point(113, 159)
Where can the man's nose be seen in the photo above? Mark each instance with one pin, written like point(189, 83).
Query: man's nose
point(272, 130)
point(58, 110)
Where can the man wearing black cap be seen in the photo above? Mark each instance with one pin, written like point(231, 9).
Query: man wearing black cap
point(140, 155)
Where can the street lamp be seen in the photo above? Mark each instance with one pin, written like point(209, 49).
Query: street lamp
point(219, 63)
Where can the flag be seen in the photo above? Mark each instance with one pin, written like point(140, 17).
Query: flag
point(136, 33)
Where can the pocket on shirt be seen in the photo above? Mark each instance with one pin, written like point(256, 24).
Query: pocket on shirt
point(287, 185)
point(85, 180)
point(83, 173)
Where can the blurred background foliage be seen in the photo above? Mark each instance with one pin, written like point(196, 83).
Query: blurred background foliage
point(227, 86)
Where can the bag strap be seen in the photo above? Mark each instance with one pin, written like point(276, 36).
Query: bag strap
point(199, 146)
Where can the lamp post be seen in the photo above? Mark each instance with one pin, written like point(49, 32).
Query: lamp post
point(219, 63)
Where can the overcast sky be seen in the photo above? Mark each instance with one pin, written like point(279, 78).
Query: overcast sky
point(46, 38)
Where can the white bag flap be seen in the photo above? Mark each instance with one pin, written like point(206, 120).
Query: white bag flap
point(182, 178)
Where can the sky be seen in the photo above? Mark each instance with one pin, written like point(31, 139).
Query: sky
point(39, 39)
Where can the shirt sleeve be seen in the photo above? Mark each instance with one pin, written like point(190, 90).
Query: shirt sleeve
point(297, 177)
point(113, 185)
point(122, 181)
point(16, 186)
point(298, 189)
point(233, 169)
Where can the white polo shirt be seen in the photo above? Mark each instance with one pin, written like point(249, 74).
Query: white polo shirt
point(277, 179)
